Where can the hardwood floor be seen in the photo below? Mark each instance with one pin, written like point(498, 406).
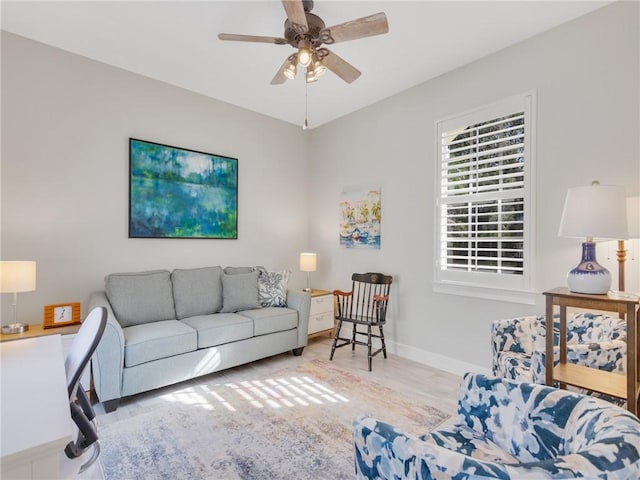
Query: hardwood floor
point(438, 389)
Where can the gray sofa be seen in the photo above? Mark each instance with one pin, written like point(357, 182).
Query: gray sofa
point(166, 327)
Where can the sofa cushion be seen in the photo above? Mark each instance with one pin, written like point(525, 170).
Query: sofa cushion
point(140, 297)
point(240, 292)
point(271, 319)
point(151, 341)
point(272, 288)
point(197, 291)
point(220, 328)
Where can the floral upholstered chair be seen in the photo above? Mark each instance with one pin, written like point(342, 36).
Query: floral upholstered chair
point(595, 341)
point(507, 430)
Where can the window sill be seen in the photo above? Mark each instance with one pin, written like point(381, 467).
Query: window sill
point(526, 297)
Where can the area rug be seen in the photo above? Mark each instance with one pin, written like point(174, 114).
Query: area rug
point(295, 424)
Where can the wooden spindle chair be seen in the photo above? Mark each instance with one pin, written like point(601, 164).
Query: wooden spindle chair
point(365, 305)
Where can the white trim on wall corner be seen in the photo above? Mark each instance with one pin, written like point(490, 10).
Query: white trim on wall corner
point(434, 360)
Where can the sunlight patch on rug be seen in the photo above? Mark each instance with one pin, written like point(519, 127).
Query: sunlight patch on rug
point(276, 392)
point(295, 424)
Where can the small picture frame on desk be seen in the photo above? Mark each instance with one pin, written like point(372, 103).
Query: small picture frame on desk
point(61, 315)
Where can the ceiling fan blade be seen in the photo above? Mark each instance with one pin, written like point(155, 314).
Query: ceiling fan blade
point(296, 15)
point(340, 67)
point(251, 38)
point(279, 77)
point(375, 24)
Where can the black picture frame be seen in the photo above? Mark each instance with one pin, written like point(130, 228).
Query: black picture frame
point(177, 192)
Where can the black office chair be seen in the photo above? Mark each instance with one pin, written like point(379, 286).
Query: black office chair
point(82, 413)
point(365, 304)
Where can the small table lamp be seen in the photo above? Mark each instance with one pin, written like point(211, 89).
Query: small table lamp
point(308, 264)
point(17, 277)
point(633, 221)
point(595, 211)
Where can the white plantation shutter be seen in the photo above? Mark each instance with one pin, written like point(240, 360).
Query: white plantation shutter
point(484, 228)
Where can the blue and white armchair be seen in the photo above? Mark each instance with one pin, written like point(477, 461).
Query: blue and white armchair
point(507, 430)
point(595, 341)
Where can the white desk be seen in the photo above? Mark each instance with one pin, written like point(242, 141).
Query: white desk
point(35, 419)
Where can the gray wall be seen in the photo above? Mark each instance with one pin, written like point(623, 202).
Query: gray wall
point(66, 121)
point(585, 74)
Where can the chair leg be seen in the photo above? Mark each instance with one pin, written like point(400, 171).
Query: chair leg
point(370, 357)
point(384, 346)
point(94, 457)
point(353, 337)
point(335, 339)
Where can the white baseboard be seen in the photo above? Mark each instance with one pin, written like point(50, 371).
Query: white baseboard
point(435, 360)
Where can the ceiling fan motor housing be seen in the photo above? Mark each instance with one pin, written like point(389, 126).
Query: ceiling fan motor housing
point(316, 25)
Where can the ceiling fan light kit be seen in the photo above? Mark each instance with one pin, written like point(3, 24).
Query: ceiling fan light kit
point(311, 77)
point(306, 32)
point(291, 70)
point(304, 52)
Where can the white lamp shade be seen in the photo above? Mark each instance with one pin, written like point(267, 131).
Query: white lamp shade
point(17, 277)
point(308, 262)
point(595, 211)
point(633, 216)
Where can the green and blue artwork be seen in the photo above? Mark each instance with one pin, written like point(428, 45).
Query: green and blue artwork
point(180, 193)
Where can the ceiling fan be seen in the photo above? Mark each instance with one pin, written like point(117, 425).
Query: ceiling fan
point(307, 33)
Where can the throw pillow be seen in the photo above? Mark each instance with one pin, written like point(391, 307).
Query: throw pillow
point(239, 292)
point(140, 297)
point(272, 288)
point(197, 291)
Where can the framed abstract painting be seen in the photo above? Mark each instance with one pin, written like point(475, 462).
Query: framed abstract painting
point(181, 193)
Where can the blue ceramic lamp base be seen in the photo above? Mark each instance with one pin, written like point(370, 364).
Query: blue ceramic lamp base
point(589, 276)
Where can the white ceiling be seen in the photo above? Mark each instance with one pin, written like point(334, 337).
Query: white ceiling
point(176, 42)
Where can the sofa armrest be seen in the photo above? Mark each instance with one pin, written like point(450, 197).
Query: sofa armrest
point(382, 451)
point(301, 302)
point(590, 327)
point(514, 335)
point(108, 361)
point(609, 356)
point(488, 404)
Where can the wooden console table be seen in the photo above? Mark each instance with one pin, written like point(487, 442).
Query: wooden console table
point(593, 379)
point(40, 331)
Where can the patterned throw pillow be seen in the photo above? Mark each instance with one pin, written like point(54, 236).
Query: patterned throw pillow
point(272, 288)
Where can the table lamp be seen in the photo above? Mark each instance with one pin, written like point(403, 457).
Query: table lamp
point(17, 277)
point(594, 211)
point(308, 264)
point(633, 222)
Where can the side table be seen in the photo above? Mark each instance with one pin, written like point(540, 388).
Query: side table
point(321, 316)
point(40, 331)
point(68, 333)
point(593, 379)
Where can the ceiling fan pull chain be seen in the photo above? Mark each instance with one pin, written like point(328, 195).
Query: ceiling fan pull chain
point(305, 125)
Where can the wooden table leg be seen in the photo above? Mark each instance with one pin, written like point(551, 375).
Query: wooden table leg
point(633, 359)
point(548, 364)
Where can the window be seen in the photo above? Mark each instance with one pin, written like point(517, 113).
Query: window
point(484, 205)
